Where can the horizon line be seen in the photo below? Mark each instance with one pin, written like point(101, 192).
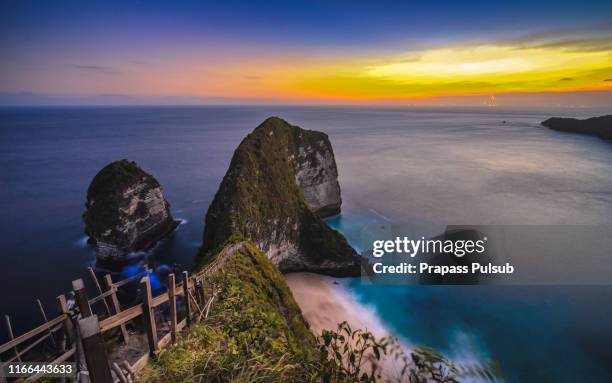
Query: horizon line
point(329, 105)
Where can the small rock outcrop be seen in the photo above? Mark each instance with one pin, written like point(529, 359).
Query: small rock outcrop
point(281, 180)
point(126, 211)
point(595, 126)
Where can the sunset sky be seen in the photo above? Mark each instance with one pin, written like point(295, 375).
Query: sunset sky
point(316, 52)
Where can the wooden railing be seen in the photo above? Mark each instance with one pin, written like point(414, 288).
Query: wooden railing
point(192, 293)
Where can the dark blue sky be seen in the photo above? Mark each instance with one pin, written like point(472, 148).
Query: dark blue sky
point(303, 23)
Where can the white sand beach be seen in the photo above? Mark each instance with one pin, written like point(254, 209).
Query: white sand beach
point(324, 304)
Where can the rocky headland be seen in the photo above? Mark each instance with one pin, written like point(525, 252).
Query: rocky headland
point(595, 126)
point(281, 180)
point(125, 211)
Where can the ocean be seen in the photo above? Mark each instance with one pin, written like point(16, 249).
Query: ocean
point(488, 166)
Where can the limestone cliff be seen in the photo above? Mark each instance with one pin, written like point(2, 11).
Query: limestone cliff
point(316, 172)
point(260, 198)
point(126, 211)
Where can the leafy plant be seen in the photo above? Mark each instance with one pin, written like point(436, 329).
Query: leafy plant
point(429, 366)
point(349, 355)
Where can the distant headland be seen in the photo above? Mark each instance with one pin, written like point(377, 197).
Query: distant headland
point(594, 126)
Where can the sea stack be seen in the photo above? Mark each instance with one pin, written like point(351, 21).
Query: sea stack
point(595, 126)
point(281, 180)
point(126, 211)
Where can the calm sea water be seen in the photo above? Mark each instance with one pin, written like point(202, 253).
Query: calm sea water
point(447, 166)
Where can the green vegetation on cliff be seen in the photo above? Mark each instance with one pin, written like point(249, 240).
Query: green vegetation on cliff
point(255, 331)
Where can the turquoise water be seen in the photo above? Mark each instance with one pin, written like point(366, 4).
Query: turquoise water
point(525, 333)
point(443, 166)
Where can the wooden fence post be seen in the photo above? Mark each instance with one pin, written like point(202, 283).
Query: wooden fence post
point(197, 291)
point(68, 329)
point(80, 295)
point(9, 330)
point(95, 352)
point(172, 299)
point(203, 290)
point(186, 297)
point(111, 287)
point(149, 314)
point(92, 273)
point(2, 377)
point(119, 373)
point(44, 316)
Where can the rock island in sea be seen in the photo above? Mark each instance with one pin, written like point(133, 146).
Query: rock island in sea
point(281, 180)
point(125, 211)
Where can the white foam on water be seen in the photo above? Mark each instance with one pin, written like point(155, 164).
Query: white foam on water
point(82, 242)
point(467, 353)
